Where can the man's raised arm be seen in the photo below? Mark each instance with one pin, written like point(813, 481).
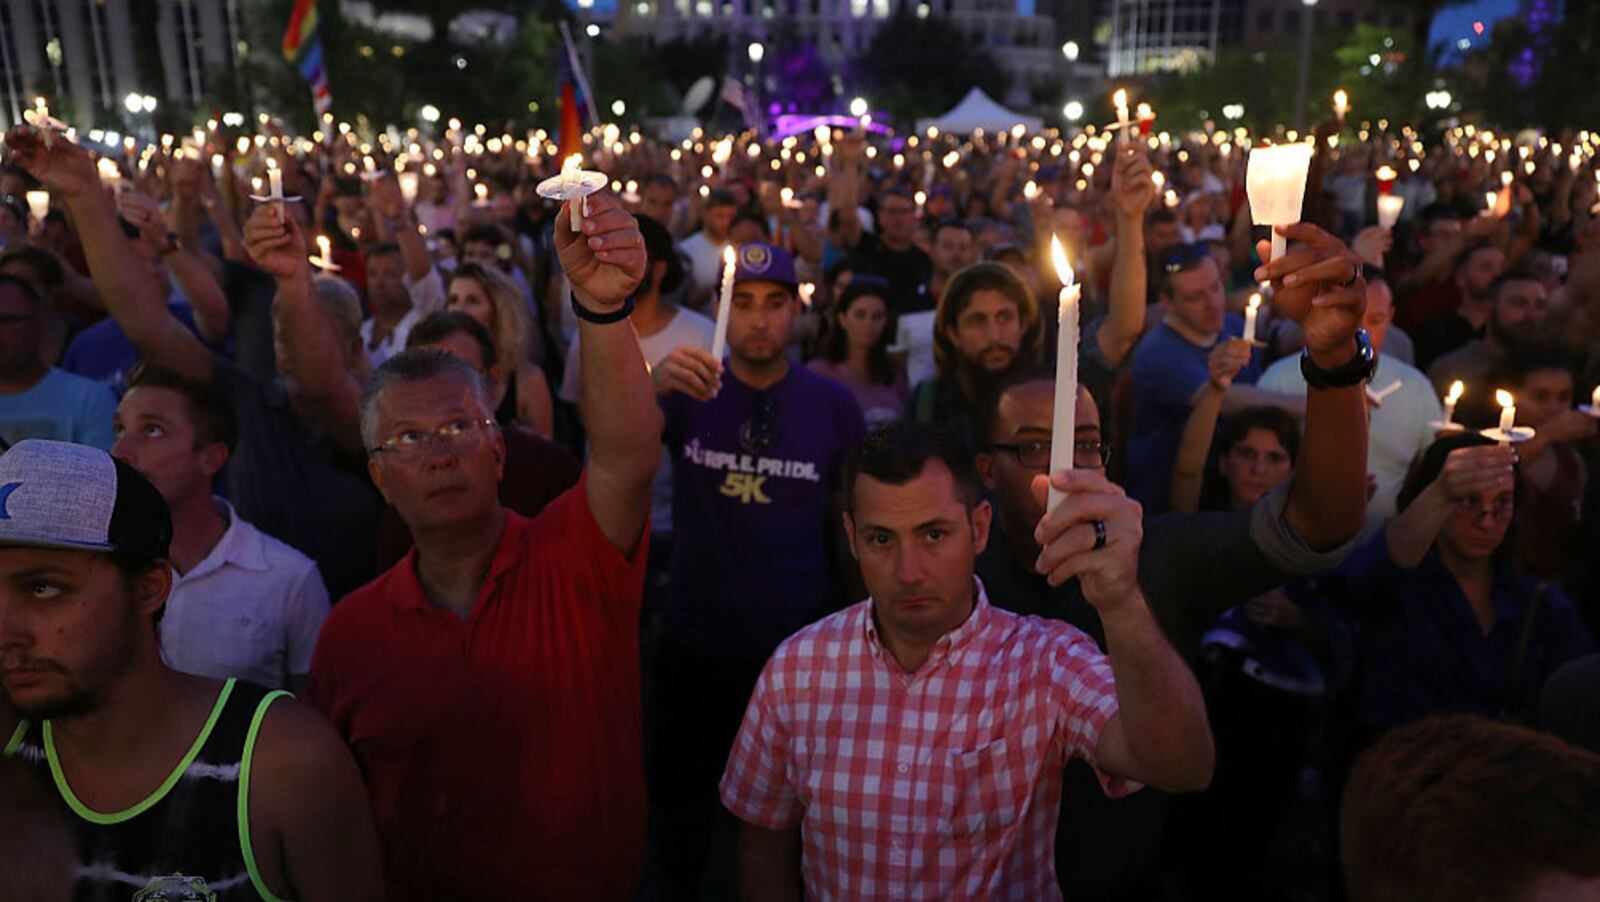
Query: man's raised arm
point(604, 264)
point(127, 284)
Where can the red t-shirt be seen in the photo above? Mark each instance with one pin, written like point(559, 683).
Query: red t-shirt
point(502, 753)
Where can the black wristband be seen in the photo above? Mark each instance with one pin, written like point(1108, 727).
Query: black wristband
point(603, 319)
point(1359, 369)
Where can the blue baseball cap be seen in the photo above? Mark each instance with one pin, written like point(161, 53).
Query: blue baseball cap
point(758, 262)
point(74, 497)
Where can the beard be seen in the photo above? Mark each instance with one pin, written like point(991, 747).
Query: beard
point(85, 692)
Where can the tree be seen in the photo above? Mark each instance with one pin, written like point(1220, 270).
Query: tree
point(921, 67)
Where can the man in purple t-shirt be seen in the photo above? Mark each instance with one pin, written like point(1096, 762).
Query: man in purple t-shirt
point(758, 446)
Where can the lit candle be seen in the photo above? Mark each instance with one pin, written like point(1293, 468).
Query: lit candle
point(1250, 312)
point(1147, 117)
point(1275, 180)
point(1490, 199)
point(1120, 101)
point(38, 204)
point(1386, 177)
point(1389, 207)
point(482, 192)
point(39, 117)
point(1341, 105)
point(1508, 410)
point(573, 184)
point(1506, 178)
point(1030, 190)
point(1594, 400)
point(110, 175)
point(921, 198)
point(408, 186)
point(807, 291)
point(1457, 389)
point(719, 341)
point(1064, 425)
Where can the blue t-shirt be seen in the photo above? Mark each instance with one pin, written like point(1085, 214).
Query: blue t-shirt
point(751, 558)
point(61, 407)
point(1167, 370)
point(103, 352)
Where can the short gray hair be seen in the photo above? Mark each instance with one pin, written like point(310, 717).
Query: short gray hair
point(417, 365)
point(340, 302)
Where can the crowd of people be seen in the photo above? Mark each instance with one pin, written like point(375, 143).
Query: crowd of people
point(424, 503)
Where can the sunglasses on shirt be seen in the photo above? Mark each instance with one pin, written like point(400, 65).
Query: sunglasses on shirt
point(756, 433)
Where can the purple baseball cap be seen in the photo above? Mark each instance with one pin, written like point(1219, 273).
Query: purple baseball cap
point(758, 262)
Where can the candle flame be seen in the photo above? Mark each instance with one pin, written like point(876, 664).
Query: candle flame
point(1506, 178)
point(1457, 389)
point(1255, 301)
point(952, 158)
point(1058, 257)
point(921, 198)
point(272, 163)
point(1030, 190)
point(1341, 102)
point(1120, 99)
point(1386, 173)
point(786, 194)
point(1504, 398)
point(1145, 111)
point(108, 169)
point(572, 164)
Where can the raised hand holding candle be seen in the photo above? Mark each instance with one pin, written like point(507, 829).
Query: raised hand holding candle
point(1250, 313)
point(1064, 424)
point(573, 184)
point(719, 341)
point(275, 187)
point(324, 258)
point(1275, 180)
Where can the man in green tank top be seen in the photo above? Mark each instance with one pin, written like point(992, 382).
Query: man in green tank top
point(153, 770)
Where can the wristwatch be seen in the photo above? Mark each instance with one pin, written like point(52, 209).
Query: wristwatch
point(1358, 370)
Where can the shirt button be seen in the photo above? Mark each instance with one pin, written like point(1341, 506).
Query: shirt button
point(902, 768)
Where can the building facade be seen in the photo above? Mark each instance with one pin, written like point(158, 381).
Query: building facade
point(1020, 39)
point(1149, 36)
point(90, 54)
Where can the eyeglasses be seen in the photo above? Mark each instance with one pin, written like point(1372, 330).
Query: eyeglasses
point(1184, 256)
point(412, 444)
point(1036, 455)
point(1502, 508)
point(756, 433)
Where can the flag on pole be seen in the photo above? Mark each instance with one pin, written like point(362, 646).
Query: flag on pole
point(735, 94)
point(302, 46)
point(574, 99)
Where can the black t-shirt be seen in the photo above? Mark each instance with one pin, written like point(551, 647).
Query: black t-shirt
point(292, 484)
point(909, 273)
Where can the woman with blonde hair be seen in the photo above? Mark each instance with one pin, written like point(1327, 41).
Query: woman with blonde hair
point(522, 392)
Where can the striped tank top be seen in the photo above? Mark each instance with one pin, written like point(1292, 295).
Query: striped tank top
point(190, 839)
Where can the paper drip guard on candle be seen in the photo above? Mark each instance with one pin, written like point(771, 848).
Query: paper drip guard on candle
point(573, 184)
point(1275, 180)
point(324, 260)
point(47, 125)
point(277, 196)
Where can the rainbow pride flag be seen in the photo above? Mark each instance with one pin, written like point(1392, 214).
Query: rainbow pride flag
point(302, 46)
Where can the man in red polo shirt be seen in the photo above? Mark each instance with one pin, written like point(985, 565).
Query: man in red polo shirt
point(489, 682)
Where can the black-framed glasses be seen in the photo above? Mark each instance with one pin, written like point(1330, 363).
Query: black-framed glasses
point(756, 434)
point(1036, 455)
point(1500, 509)
point(414, 443)
point(1182, 256)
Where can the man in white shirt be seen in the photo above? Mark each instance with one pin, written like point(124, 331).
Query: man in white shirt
point(704, 248)
point(243, 604)
point(1398, 423)
point(399, 301)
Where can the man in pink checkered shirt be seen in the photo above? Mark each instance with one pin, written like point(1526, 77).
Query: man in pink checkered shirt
point(912, 745)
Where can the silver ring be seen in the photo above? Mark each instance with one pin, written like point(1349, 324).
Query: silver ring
point(1099, 533)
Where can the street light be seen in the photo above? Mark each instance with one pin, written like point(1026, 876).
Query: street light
point(430, 113)
point(1073, 110)
point(149, 103)
point(1305, 65)
point(134, 102)
point(858, 107)
point(618, 107)
point(757, 52)
point(1070, 50)
point(592, 30)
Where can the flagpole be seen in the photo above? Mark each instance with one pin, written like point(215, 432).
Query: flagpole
point(578, 74)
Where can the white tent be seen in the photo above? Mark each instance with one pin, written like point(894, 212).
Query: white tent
point(975, 111)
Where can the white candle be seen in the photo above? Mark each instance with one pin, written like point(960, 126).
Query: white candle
point(110, 175)
point(1275, 180)
point(408, 186)
point(1120, 101)
point(38, 204)
point(324, 249)
point(1594, 400)
point(1250, 312)
point(1457, 389)
point(1389, 207)
point(1064, 425)
point(1508, 410)
point(275, 186)
point(719, 341)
